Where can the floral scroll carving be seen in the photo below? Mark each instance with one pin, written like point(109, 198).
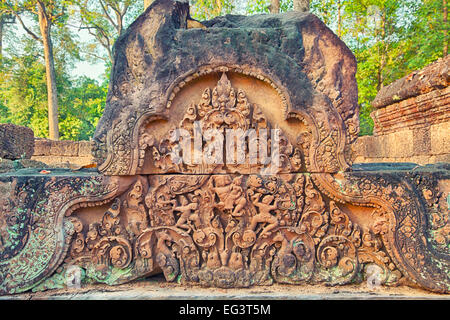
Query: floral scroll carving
point(47, 235)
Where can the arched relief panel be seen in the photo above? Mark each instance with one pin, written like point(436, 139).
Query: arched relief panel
point(316, 129)
point(250, 102)
point(105, 233)
point(47, 233)
point(238, 225)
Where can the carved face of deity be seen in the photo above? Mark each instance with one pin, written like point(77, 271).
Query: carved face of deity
point(254, 181)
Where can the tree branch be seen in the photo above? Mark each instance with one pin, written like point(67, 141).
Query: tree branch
point(125, 9)
point(31, 33)
point(96, 56)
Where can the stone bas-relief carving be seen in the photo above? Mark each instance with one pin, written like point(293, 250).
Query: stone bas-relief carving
point(285, 233)
point(289, 59)
point(34, 234)
point(316, 219)
point(187, 226)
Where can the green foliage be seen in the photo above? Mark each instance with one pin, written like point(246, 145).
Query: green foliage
point(23, 92)
point(263, 6)
point(427, 44)
point(208, 9)
point(83, 107)
point(105, 20)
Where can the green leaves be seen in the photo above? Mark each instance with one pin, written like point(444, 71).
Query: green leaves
point(389, 38)
point(208, 9)
point(84, 102)
point(105, 20)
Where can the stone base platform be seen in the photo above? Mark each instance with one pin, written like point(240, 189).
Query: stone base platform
point(156, 288)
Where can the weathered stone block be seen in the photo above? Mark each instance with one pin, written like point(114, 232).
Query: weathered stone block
point(399, 144)
point(369, 147)
point(422, 141)
point(64, 148)
point(273, 59)
point(6, 165)
point(85, 148)
point(440, 139)
point(49, 160)
point(413, 113)
point(373, 148)
point(30, 163)
point(16, 142)
point(434, 76)
point(42, 147)
point(442, 158)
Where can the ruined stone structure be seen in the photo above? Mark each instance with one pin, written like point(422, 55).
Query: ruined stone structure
point(63, 152)
point(313, 218)
point(412, 119)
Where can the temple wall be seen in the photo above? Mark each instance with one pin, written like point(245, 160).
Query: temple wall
point(62, 152)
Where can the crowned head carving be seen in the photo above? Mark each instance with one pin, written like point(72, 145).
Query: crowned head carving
point(223, 96)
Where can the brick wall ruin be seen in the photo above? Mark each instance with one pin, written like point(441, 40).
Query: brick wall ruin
point(62, 152)
point(412, 120)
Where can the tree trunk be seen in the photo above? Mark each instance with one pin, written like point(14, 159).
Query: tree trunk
point(52, 92)
point(383, 53)
point(445, 14)
point(2, 21)
point(274, 6)
point(301, 5)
